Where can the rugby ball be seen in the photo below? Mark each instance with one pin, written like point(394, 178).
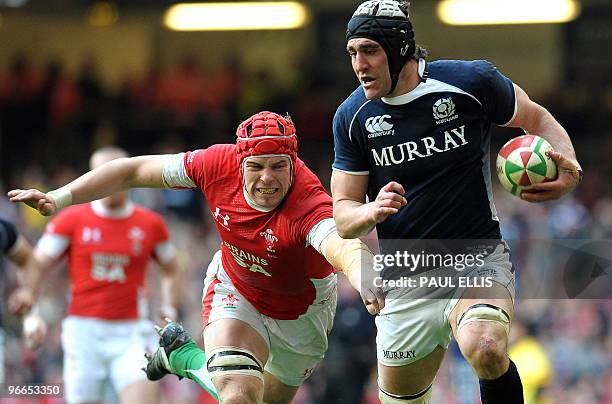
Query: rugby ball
point(523, 161)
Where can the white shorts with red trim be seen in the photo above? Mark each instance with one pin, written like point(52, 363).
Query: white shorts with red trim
point(296, 346)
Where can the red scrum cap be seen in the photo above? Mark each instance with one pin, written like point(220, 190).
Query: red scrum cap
point(266, 133)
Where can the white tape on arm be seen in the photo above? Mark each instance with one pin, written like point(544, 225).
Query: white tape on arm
point(346, 255)
point(174, 173)
point(61, 196)
point(319, 232)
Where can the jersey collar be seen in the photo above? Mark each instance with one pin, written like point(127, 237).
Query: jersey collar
point(411, 95)
point(102, 211)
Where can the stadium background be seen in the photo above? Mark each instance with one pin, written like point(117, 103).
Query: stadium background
point(78, 74)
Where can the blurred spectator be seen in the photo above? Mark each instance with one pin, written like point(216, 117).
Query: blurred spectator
point(19, 117)
point(532, 363)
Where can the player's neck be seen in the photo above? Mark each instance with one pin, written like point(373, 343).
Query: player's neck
point(409, 79)
point(117, 206)
point(102, 209)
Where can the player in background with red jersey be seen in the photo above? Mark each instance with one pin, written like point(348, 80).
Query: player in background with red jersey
point(270, 292)
point(109, 244)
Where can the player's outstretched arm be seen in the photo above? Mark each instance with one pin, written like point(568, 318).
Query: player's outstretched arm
point(354, 217)
point(535, 119)
point(115, 176)
point(353, 258)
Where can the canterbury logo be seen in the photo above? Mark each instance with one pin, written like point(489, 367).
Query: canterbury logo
point(377, 124)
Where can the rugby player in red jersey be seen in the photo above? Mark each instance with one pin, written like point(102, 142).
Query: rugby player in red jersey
point(269, 295)
point(109, 244)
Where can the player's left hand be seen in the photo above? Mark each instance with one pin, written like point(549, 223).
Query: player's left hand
point(20, 302)
point(567, 179)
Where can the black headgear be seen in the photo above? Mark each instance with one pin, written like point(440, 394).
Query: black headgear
point(386, 22)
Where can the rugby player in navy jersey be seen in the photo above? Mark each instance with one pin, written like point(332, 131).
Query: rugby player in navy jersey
point(414, 138)
point(16, 249)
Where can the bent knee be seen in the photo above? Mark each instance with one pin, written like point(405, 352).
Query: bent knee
point(238, 398)
point(239, 390)
point(268, 400)
point(486, 353)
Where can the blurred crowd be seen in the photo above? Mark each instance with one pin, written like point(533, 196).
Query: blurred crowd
point(51, 121)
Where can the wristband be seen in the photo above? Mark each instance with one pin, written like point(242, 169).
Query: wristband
point(61, 196)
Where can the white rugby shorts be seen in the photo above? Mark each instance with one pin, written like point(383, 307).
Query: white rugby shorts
point(409, 329)
point(295, 346)
point(98, 352)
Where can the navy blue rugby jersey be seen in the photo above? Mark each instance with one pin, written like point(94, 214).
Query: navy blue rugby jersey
point(8, 240)
point(8, 236)
point(434, 141)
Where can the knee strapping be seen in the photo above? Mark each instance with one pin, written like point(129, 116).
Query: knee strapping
point(231, 360)
point(420, 398)
point(485, 312)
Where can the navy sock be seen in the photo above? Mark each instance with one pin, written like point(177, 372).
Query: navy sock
point(506, 389)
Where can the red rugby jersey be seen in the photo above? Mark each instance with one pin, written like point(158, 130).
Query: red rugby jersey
point(107, 256)
point(264, 253)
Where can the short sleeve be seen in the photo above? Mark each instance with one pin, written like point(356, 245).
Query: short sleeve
point(498, 96)
point(58, 233)
point(315, 204)
point(8, 236)
point(161, 230)
point(207, 166)
point(320, 232)
point(164, 249)
point(194, 166)
point(63, 224)
point(349, 155)
point(174, 172)
point(318, 212)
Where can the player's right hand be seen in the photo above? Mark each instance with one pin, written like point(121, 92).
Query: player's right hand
point(34, 330)
point(363, 280)
point(389, 200)
point(35, 199)
point(567, 179)
point(373, 300)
